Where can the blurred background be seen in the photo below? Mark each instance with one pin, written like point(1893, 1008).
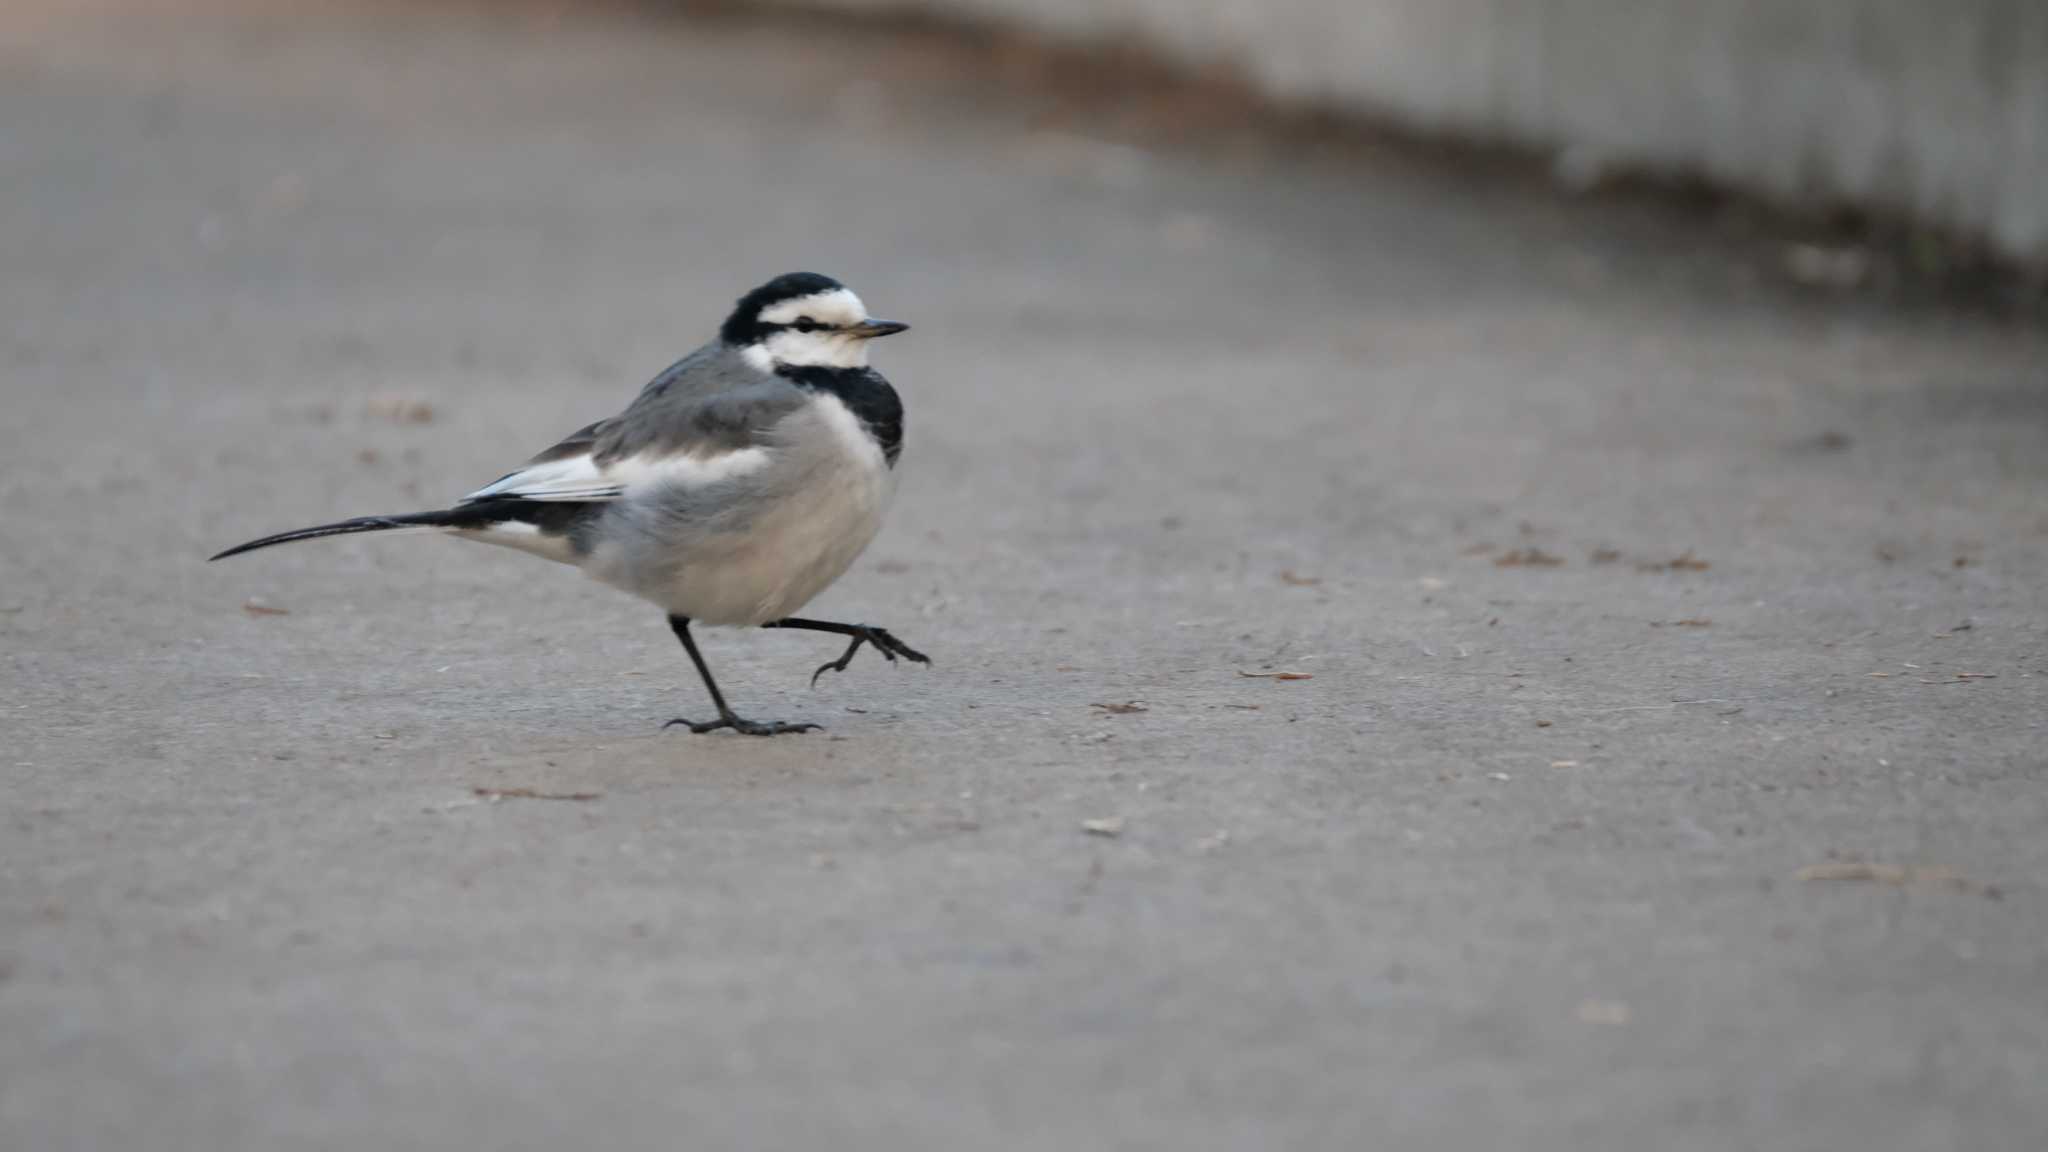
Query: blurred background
point(1927, 111)
point(1483, 563)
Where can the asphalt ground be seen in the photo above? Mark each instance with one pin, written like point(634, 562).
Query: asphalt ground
point(1658, 763)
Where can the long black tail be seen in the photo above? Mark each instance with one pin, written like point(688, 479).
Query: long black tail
point(468, 516)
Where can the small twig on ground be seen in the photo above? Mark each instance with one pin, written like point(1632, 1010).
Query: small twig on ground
point(1661, 707)
point(1895, 875)
point(496, 794)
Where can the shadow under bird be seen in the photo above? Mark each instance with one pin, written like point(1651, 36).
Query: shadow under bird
point(737, 486)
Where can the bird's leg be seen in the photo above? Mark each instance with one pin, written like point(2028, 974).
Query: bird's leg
point(726, 717)
point(889, 646)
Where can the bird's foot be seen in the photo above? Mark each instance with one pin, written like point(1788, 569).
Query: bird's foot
point(740, 725)
point(885, 643)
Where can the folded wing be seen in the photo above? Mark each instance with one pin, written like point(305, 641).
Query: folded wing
point(682, 440)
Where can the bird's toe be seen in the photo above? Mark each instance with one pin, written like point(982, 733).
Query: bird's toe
point(740, 725)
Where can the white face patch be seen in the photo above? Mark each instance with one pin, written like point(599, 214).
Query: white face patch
point(812, 350)
point(839, 306)
point(790, 348)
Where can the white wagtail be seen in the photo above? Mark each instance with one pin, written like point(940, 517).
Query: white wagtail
point(736, 486)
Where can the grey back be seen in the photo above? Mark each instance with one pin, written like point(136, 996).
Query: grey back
point(708, 402)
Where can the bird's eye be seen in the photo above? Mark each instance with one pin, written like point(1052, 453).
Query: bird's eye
point(805, 324)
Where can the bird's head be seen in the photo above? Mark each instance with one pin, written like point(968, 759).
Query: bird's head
point(803, 320)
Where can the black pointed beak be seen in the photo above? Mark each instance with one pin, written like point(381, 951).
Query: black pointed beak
point(869, 329)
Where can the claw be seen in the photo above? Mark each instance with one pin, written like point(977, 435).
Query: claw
point(885, 643)
point(892, 647)
point(840, 664)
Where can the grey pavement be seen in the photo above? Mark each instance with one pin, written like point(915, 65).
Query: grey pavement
point(1560, 845)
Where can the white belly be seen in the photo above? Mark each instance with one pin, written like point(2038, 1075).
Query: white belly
point(809, 516)
point(780, 565)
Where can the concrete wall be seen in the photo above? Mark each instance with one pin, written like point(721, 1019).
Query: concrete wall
point(1936, 108)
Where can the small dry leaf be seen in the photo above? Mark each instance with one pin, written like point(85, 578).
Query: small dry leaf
point(1527, 558)
point(1124, 709)
point(1564, 763)
point(1288, 577)
point(259, 608)
point(1976, 675)
point(1111, 826)
point(1685, 562)
point(399, 409)
point(1543, 723)
point(1275, 675)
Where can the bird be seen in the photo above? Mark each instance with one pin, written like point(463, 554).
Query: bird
point(737, 485)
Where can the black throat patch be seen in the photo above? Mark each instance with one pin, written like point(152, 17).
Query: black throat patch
point(865, 393)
